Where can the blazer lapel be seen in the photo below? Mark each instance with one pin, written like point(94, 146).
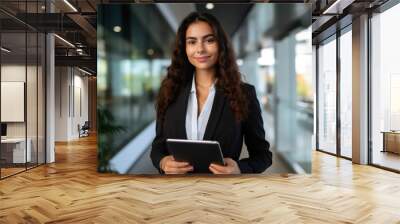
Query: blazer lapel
point(216, 111)
point(181, 104)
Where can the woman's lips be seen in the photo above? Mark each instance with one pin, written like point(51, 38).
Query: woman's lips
point(202, 59)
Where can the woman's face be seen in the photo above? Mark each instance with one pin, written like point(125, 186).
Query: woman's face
point(201, 45)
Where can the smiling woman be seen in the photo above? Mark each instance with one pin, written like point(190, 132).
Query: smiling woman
point(201, 46)
point(203, 97)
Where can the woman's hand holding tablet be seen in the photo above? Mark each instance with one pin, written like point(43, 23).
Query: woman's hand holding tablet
point(231, 167)
point(197, 153)
point(170, 166)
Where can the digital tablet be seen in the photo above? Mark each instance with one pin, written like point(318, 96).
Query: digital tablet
point(200, 154)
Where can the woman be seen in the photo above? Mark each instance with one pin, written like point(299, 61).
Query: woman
point(204, 98)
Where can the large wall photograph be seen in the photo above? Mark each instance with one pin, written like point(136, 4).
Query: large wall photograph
point(209, 89)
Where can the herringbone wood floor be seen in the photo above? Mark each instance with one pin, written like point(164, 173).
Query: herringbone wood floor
point(71, 191)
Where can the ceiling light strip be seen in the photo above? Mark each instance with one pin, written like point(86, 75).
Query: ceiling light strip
point(70, 5)
point(86, 72)
point(5, 49)
point(64, 40)
point(338, 6)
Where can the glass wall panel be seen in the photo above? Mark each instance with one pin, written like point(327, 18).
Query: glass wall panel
point(385, 88)
point(327, 96)
point(14, 153)
point(31, 85)
point(31, 98)
point(22, 89)
point(41, 88)
point(346, 94)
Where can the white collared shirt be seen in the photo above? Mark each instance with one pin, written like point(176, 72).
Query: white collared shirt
point(196, 125)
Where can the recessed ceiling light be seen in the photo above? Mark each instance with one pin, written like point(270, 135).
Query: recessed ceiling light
point(117, 29)
point(209, 6)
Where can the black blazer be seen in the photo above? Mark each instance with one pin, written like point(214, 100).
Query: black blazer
point(222, 127)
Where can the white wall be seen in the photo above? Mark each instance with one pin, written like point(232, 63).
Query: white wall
point(71, 94)
point(62, 81)
point(14, 73)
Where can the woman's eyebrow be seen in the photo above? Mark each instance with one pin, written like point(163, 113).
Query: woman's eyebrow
point(203, 37)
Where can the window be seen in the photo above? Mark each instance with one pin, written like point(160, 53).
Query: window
point(346, 93)
point(385, 89)
point(327, 96)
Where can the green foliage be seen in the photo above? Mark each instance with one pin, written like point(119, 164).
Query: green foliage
point(106, 130)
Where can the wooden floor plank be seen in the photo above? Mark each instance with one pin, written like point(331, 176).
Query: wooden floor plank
point(71, 191)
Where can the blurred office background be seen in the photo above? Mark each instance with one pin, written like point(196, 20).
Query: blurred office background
point(274, 53)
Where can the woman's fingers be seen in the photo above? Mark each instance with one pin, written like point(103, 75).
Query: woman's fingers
point(219, 169)
point(175, 170)
point(178, 164)
point(174, 167)
point(215, 171)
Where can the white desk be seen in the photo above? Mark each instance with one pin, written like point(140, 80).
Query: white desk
point(19, 149)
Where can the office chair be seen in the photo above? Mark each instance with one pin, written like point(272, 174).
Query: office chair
point(84, 130)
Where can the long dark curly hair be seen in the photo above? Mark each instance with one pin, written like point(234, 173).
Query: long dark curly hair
point(180, 71)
